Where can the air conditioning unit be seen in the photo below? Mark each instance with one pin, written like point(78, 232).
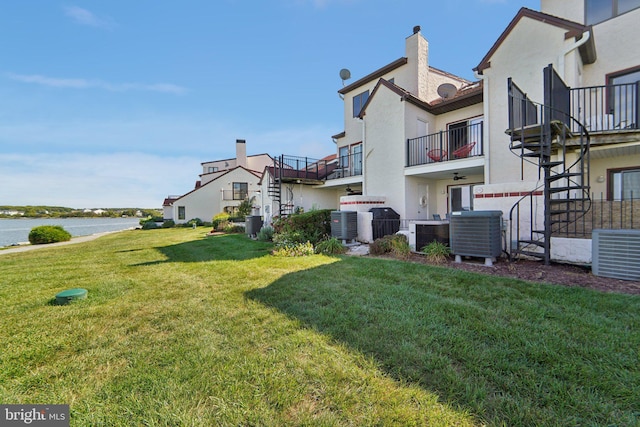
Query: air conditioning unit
point(616, 254)
point(253, 224)
point(476, 234)
point(344, 225)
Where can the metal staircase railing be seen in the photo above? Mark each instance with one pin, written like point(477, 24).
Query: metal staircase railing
point(541, 135)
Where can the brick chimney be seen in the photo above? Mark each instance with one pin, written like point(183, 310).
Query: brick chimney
point(241, 153)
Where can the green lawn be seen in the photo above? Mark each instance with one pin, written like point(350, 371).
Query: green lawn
point(184, 329)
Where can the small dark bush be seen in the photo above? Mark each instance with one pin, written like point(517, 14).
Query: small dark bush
point(48, 234)
point(168, 223)
point(396, 244)
point(150, 225)
point(312, 225)
point(234, 228)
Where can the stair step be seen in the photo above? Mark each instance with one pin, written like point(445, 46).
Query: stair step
point(564, 175)
point(551, 164)
point(561, 201)
point(567, 188)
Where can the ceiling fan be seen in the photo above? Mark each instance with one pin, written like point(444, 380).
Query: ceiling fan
point(456, 177)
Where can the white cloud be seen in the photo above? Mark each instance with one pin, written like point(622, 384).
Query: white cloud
point(84, 17)
point(95, 180)
point(78, 83)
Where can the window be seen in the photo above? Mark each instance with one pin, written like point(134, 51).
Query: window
point(600, 10)
point(465, 134)
point(622, 98)
point(343, 153)
point(358, 102)
point(213, 169)
point(624, 184)
point(460, 198)
point(240, 190)
point(356, 157)
point(181, 212)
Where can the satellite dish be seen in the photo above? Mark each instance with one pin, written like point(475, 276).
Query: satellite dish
point(345, 74)
point(447, 90)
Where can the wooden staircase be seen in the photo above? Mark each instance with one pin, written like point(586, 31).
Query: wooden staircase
point(541, 135)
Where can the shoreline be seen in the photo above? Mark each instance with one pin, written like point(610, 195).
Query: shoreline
point(78, 239)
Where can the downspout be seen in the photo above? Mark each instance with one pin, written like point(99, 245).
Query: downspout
point(585, 38)
point(485, 124)
point(364, 158)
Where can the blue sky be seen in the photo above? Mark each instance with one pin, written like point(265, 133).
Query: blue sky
point(116, 103)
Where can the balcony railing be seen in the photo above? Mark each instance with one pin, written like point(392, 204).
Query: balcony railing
point(348, 165)
point(452, 144)
point(610, 108)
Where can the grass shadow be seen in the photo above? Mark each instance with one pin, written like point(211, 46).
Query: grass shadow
point(505, 350)
point(228, 247)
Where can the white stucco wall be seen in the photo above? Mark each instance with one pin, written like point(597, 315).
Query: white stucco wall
point(384, 149)
point(531, 46)
point(573, 10)
point(207, 201)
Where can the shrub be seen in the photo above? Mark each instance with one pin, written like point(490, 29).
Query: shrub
point(400, 246)
point(233, 228)
point(331, 246)
point(197, 221)
point(436, 252)
point(150, 225)
point(220, 221)
point(396, 244)
point(294, 249)
point(168, 223)
point(313, 225)
point(48, 234)
point(265, 234)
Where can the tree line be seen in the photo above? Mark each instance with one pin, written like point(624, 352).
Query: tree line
point(8, 211)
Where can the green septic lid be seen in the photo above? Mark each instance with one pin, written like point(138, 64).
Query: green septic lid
point(65, 297)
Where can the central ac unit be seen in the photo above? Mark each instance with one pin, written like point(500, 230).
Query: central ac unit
point(476, 234)
point(344, 225)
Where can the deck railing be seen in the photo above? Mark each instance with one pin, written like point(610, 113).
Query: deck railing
point(451, 144)
point(348, 165)
point(609, 108)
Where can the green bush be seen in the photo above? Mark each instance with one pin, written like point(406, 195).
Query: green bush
point(312, 225)
point(233, 228)
point(197, 221)
point(436, 252)
point(400, 246)
point(150, 225)
point(265, 234)
point(331, 246)
point(294, 249)
point(220, 221)
point(168, 223)
point(48, 234)
point(395, 244)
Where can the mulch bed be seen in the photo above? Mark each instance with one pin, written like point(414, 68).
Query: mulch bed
point(535, 271)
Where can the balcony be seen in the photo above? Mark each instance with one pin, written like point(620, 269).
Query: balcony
point(606, 109)
point(452, 144)
point(347, 166)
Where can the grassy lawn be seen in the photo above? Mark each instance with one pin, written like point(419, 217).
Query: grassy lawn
point(183, 329)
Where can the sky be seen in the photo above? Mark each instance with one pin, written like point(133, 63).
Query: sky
point(116, 103)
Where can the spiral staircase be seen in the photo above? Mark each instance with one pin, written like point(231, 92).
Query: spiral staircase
point(547, 136)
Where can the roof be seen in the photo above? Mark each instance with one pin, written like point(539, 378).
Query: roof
point(172, 200)
point(375, 75)
point(466, 96)
point(574, 29)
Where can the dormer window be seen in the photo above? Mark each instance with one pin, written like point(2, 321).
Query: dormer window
point(359, 101)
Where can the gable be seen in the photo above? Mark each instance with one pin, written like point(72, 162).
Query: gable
point(572, 29)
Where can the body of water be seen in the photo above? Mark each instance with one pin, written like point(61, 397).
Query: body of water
point(17, 230)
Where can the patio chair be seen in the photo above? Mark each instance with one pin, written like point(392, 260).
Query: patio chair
point(437, 155)
point(464, 150)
